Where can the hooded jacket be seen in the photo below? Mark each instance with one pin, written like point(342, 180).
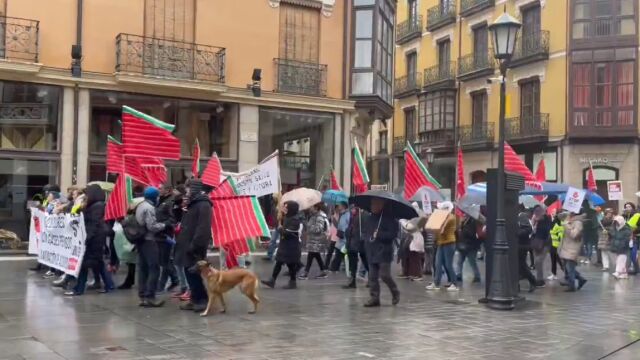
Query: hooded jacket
point(571, 243)
point(195, 234)
point(289, 247)
point(95, 226)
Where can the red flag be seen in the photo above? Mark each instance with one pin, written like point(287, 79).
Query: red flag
point(211, 174)
point(416, 174)
point(133, 168)
point(514, 164)
point(334, 181)
point(591, 180)
point(460, 185)
point(553, 208)
point(226, 189)
point(237, 218)
point(359, 172)
point(541, 171)
point(195, 166)
point(146, 136)
point(118, 201)
point(115, 153)
point(230, 257)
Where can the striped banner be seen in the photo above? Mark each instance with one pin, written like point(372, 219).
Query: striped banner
point(211, 174)
point(416, 174)
point(146, 136)
point(359, 174)
point(115, 156)
point(237, 218)
point(118, 201)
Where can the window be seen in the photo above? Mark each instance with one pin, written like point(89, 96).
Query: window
point(363, 44)
point(478, 108)
point(603, 18)
point(603, 93)
point(299, 33)
point(382, 139)
point(529, 100)
point(384, 52)
point(170, 19)
point(530, 22)
point(444, 52)
point(412, 68)
point(436, 111)
point(480, 42)
point(410, 124)
point(29, 116)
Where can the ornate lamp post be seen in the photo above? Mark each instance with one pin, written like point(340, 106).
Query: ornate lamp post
point(503, 33)
point(430, 156)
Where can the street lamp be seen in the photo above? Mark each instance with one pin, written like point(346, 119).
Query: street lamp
point(504, 32)
point(430, 156)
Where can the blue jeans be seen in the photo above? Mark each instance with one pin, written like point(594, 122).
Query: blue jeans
point(634, 257)
point(182, 278)
point(273, 244)
point(471, 257)
point(444, 257)
point(572, 273)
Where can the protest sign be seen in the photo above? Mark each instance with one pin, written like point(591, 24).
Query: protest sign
point(263, 179)
point(615, 190)
point(426, 203)
point(59, 240)
point(573, 200)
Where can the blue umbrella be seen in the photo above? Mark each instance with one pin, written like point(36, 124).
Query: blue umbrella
point(593, 198)
point(333, 197)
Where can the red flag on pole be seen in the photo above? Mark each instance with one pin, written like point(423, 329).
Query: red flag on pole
point(211, 174)
point(591, 180)
point(118, 201)
point(541, 171)
point(115, 156)
point(146, 136)
point(195, 165)
point(334, 181)
point(514, 164)
point(236, 219)
point(416, 174)
point(460, 185)
point(359, 172)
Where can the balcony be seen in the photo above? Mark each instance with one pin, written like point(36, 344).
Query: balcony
point(441, 76)
point(301, 78)
point(407, 85)
point(470, 7)
point(20, 39)
point(531, 48)
point(477, 136)
point(400, 142)
point(438, 140)
point(441, 15)
point(408, 30)
point(476, 65)
point(532, 129)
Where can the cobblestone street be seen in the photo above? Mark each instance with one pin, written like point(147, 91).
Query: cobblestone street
point(320, 321)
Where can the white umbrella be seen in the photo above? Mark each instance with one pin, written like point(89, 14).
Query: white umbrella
point(305, 197)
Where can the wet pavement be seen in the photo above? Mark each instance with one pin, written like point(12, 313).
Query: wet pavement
point(321, 321)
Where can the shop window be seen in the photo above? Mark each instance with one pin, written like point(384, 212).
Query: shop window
point(29, 116)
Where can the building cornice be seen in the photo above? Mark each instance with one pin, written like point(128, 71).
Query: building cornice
point(167, 87)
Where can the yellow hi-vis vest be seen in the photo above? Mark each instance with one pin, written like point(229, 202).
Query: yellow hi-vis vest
point(557, 233)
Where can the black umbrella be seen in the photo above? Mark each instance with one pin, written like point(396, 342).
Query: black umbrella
point(396, 206)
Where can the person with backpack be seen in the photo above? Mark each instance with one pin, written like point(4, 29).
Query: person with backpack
point(317, 228)
point(194, 239)
point(148, 250)
point(468, 246)
point(524, 245)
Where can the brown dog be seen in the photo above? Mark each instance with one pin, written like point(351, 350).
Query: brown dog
point(219, 282)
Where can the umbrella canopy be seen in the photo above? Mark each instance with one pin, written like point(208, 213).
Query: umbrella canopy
point(546, 188)
point(472, 210)
point(104, 185)
point(395, 206)
point(333, 197)
point(434, 194)
point(477, 195)
point(305, 197)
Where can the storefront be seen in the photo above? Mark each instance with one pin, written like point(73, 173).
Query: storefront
point(214, 124)
point(29, 148)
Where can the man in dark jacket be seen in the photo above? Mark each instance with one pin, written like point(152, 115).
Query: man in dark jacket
point(165, 215)
point(195, 236)
point(380, 230)
point(355, 247)
point(148, 254)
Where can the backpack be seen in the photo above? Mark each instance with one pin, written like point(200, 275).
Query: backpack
point(133, 231)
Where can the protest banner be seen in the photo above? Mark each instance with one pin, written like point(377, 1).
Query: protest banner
point(426, 203)
point(263, 179)
point(59, 240)
point(615, 190)
point(573, 200)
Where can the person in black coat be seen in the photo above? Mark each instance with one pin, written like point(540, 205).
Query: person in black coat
point(524, 245)
point(194, 240)
point(355, 247)
point(380, 230)
point(95, 243)
point(290, 247)
point(166, 241)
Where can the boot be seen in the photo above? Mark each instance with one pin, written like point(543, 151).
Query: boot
point(153, 303)
point(351, 284)
point(291, 285)
point(372, 303)
point(271, 283)
point(395, 298)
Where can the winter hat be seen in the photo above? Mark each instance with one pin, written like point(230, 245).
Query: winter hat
point(151, 193)
point(619, 220)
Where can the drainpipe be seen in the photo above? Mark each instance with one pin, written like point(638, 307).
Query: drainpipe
point(76, 71)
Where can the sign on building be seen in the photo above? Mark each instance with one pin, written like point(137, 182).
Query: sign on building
point(615, 190)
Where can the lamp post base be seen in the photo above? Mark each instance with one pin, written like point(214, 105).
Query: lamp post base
point(500, 295)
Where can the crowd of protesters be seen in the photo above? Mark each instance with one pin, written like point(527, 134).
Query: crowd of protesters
point(174, 227)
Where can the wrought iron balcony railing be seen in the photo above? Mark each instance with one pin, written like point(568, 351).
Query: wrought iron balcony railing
point(19, 39)
point(409, 29)
point(439, 73)
point(476, 64)
point(407, 85)
point(436, 138)
point(527, 129)
point(400, 142)
point(531, 47)
point(468, 7)
point(303, 78)
point(476, 135)
point(169, 59)
point(441, 15)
